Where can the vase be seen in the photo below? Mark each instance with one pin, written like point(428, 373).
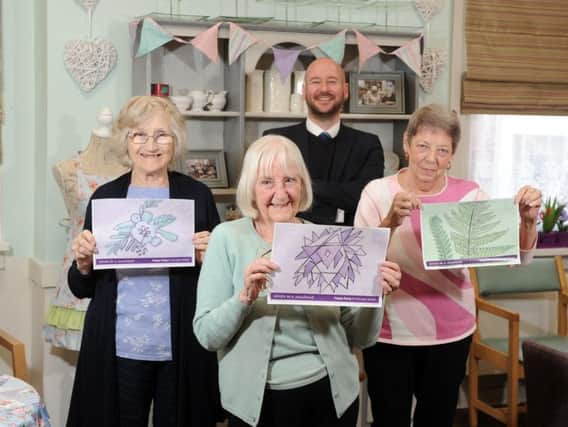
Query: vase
point(276, 93)
point(299, 77)
point(254, 89)
point(553, 239)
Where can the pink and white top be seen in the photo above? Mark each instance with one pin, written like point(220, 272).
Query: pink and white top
point(431, 306)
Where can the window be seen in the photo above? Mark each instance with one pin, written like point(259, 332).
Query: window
point(507, 152)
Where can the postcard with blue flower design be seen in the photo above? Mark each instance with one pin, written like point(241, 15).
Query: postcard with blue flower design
point(327, 265)
point(139, 233)
point(470, 234)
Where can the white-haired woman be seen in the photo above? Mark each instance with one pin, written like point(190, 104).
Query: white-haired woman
point(278, 365)
point(137, 348)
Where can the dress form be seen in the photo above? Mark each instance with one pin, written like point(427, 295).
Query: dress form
point(101, 161)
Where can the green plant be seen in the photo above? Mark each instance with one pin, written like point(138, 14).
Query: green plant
point(551, 215)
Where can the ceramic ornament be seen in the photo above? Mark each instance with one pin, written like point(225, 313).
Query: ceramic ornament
point(428, 8)
point(433, 62)
point(89, 61)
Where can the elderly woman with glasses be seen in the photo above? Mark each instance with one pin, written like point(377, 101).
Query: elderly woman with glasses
point(428, 324)
point(279, 365)
point(137, 347)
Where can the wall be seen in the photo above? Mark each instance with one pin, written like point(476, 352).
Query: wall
point(62, 116)
point(48, 119)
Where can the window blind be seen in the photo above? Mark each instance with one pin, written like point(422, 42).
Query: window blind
point(517, 57)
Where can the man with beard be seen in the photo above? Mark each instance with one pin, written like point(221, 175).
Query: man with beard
point(341, 160)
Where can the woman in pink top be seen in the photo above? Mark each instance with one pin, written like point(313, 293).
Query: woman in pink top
point(428, 322)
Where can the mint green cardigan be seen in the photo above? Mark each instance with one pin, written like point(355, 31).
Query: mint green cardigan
point(242, 335)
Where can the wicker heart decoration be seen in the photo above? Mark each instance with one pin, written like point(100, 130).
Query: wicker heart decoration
point(428, 8)
point(89, 61)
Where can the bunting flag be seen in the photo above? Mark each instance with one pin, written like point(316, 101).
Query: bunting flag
point(206, 42)
point(152, 36)
point(410, 55)
point(335, 48)
point(133, 27)
point(366, 48)
point(239, 41)
point(147, 35)
point(284, 60)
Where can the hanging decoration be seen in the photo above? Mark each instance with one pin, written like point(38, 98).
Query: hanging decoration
point(284, 60)
point(148, 35)
point(206, 42)
point(433, 62)
point(134, 38)
point(152, 37)
point(366, 48)
point(409, 53)
point(239, 41)
point(89, 61)
point(428, 8)
point(335, 47)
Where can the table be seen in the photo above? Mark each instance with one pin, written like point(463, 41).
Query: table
point(20, 404)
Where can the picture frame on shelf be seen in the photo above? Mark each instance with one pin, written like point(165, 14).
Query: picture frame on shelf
point(207, 166)
point(376, 93)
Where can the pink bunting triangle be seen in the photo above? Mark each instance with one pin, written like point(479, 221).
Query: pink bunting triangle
point(284, 60)
point(366, 48)
point(134, 36)
point(206, 42)
point(410, 55)
point(239, 41)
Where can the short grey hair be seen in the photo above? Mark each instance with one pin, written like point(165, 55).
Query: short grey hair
point(138, 109)
point(259, 159)
point(436, 117)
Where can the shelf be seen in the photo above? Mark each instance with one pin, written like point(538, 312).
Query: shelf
point(345, 116)
point(211, 114)
point(220, 192)
point(377, 117)
point(550, 252)
point(274, 116)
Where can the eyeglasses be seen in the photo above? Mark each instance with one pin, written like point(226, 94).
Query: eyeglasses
point(141, 137)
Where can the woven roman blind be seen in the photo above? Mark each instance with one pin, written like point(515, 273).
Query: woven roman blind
point(517, 57)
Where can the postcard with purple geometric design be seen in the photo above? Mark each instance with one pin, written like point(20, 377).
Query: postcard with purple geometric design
point(327, 265)
point(141, 233)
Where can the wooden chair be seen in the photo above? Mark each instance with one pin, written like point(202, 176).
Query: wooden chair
point(546, 372)
point(16, 348)
point(542, 275)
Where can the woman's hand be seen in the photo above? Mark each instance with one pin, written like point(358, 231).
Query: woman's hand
point(529, 201)
point(402, 206)
point(255, 279)
point(390, 277)
point(200, 241)
point(83, 248)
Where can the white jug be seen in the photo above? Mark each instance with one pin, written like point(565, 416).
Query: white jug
point(217, 100)
point(199, 98)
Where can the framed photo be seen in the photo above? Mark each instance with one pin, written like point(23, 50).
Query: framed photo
point(207, 166)
point(376, 93)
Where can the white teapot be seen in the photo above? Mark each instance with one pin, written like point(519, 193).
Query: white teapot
point(217, 100)
point(199, 98)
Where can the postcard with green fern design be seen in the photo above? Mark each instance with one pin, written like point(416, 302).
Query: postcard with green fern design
point(469, 234)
